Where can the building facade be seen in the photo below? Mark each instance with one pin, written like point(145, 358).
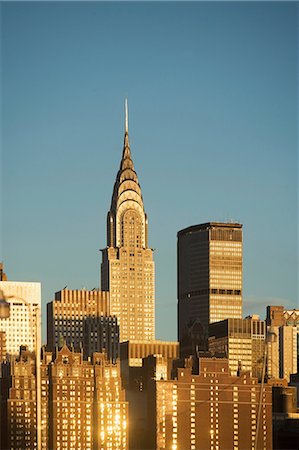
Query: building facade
point(2, 348)
point(212, 410)
point(209, 409)
point(209, 279)
point(283, 347)
point(22, 402)
point(67, 313)
point(83, 403)
point(23, 326)
point(132, 354)
point(287, 351)
point(242, 342)
point(127, 269)
point(101, 334)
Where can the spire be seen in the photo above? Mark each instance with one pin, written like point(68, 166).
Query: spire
point(126, 117)
point(126, 142)
point(126, 192)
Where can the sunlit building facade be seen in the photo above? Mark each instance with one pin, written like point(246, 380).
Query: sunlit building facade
point(83, 403)
point(212, 410)
point(110, 408)
point(71, 388)
point(66, 315)
point(2, 347)
point(283, 347)
point(242, 342)
point(209, 277)
point(21, 403)
point(127, 269)
point(23, 326)
point(287, 351)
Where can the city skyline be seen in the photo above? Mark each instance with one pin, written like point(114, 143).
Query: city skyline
point(63, 131)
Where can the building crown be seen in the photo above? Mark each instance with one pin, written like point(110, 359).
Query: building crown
point(126, 195)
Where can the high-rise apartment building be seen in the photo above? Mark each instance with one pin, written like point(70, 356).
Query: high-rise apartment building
point(67, 313)
point(83, 403)
point(127, 269)
point(23, 326)
point(22, 402)
point(209, 409)
point(209, 279)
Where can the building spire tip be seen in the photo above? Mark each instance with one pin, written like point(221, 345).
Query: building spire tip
point(126, 116)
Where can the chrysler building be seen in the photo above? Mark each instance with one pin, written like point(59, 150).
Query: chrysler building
point(127, 269)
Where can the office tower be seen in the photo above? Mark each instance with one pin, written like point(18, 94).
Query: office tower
point(209, 280)
point(84, 404)
point(133, 352)
point(101, 334)
point(22, 404)
point(23, 326)
point(127, 269)
point(66, 315)
point(242, 342)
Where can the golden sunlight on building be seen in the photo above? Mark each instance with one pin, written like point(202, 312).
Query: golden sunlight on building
point(127, 269)
point(83, 402)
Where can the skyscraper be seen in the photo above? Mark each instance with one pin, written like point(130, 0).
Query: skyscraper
point(127, 269)
point(209, 278)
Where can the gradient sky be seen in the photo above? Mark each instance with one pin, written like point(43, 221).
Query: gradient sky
point(212, 91)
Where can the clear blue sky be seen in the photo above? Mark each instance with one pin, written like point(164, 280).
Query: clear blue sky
point(212, 91)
